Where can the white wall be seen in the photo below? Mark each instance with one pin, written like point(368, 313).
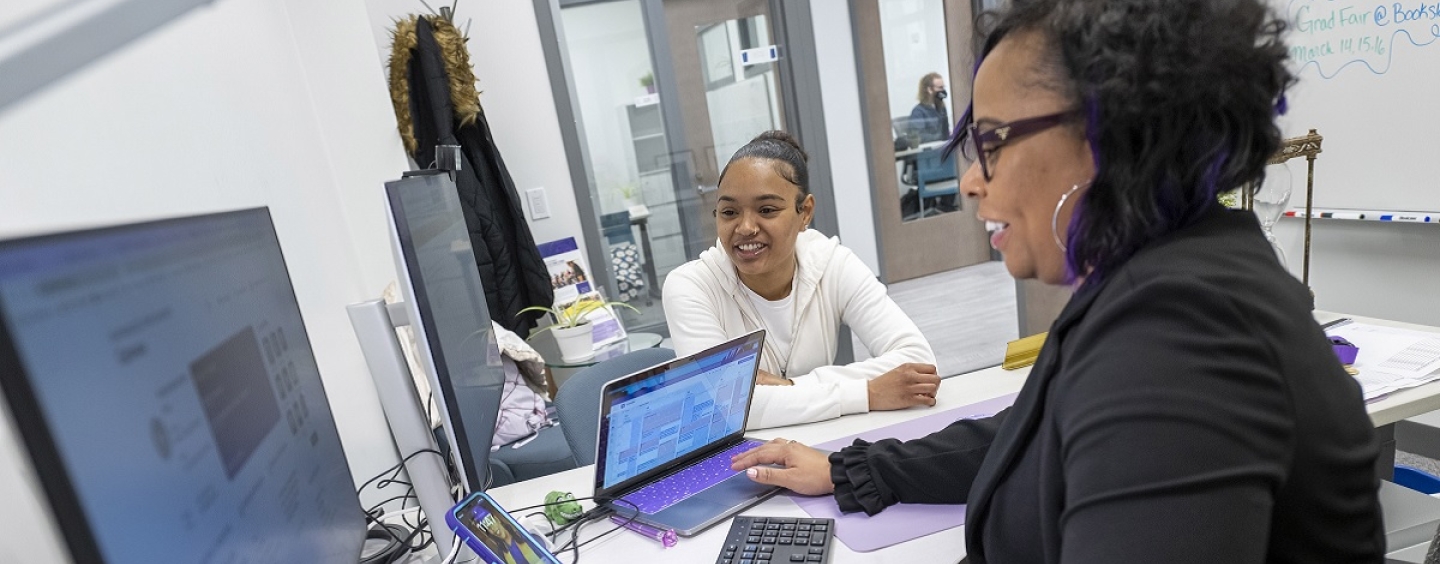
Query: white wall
point(844, 131)
point(515, 92)
point(1384, 270)
point(247, 103)
point(236, 104)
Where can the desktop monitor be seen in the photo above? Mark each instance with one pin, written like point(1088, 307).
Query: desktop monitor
point(161, 378)
point(447, 308)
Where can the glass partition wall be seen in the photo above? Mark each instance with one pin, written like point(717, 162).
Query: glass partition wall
point(663, 92)
point(630, 179)
point(917, 79)
point(908, 52)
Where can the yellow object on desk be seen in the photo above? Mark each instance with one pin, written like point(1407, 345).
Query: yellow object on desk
point(1023, 352)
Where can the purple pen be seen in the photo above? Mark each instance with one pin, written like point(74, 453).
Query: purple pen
point(666, 537)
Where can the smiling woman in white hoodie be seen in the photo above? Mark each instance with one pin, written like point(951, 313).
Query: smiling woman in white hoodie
point(769, 271)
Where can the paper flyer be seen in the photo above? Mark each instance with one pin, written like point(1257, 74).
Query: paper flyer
point(570, 278)
point(569, 275)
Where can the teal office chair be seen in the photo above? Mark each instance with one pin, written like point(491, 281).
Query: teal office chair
point(616, 228)
point(547, 452)
point(577, 404)
point(625, 258)
point(930, 169)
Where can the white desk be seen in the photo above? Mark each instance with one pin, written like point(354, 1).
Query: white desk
point(1396, 406)
point(910, 153)
point(1403, 404)
point(624, 546)
point(945, 546)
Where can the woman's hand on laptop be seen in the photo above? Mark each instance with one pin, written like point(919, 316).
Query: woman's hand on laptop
point(803, 470)
point(908, 385)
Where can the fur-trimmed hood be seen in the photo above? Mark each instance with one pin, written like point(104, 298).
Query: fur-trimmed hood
point(463, 96)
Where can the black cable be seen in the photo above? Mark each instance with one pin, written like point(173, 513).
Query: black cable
point(395, 470)
point(630, 520)
point(574, 547)
point(411, 538)
point(393, 549)
point(590, 517)
point(617, 527)
point(393, 553)
point(380, 506)
point(427, 536)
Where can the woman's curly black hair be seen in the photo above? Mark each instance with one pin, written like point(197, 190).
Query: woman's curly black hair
point(1180, 99)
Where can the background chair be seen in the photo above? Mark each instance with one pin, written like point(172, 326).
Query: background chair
point(930, 169)
point(578, 402)
point(616, 228)
point(547, 452)
point(625, 257)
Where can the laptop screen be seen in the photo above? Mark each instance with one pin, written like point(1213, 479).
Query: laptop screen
point(660, 415)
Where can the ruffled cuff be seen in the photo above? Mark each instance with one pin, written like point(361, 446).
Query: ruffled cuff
point(855, 488)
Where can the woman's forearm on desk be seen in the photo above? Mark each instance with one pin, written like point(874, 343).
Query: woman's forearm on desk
point(936, 468)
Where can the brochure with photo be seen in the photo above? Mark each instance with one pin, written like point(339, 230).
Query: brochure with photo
point(569, 275)
point(570, 278)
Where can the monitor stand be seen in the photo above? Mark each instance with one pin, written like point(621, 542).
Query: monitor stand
point(375, 323)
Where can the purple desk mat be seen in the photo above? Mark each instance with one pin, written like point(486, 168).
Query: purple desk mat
point(901, 522)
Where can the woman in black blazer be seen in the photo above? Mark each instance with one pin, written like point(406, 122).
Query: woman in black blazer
point(1185, 407)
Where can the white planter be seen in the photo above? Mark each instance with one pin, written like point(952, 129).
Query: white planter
point(575, 343)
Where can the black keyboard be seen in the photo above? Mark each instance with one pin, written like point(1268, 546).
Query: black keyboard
point(777, 540)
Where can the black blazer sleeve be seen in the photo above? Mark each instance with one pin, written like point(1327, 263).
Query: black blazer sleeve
point(937, 468)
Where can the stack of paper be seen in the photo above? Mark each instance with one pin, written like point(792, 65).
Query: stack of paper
point(1023, 352)
point(1391, 359)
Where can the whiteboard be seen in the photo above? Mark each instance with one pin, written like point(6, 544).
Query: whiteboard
point(1369, 81)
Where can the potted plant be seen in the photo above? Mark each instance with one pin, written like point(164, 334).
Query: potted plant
point(630, 194)
point(648, 81)
point(572, 328)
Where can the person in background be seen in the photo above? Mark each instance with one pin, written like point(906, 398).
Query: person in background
point(1185, 407)
point(769, 271)
point(929, 120)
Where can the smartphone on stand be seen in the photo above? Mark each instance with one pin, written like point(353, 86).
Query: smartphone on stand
point(494, 535)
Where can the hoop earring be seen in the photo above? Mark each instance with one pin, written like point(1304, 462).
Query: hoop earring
point(1055, 217)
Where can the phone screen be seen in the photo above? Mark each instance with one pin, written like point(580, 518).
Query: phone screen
point(485, 523)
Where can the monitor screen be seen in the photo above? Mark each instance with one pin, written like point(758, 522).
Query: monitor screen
point(163, 382)
point(446, 301)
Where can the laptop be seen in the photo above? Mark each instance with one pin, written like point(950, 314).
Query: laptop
point(667, 434)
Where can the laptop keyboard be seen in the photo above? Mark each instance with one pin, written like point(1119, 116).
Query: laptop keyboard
point(689, 481)
point(777, 540)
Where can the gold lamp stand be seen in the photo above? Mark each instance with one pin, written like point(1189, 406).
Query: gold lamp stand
point(1307, 146)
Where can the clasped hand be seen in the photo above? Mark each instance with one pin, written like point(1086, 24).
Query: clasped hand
point(764, 378)
point(908, 385)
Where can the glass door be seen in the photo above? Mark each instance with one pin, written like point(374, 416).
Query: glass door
point(917, 79)
point(910, 51)
point(726, 89)
point(622, 128)
point(665, 91)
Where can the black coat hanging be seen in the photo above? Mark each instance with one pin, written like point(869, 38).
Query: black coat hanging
point(433, 89)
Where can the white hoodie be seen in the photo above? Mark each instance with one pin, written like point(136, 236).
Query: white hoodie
point(706, 304)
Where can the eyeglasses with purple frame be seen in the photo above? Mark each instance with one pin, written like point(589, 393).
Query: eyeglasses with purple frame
point(984, 143)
